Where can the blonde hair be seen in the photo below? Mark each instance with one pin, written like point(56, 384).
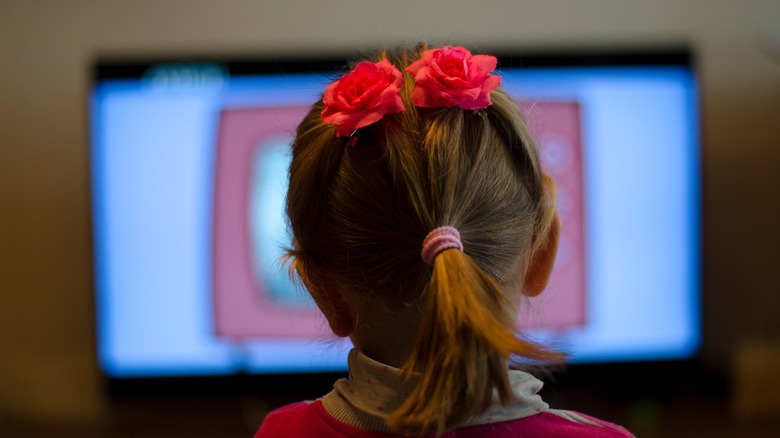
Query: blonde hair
point(359, 216)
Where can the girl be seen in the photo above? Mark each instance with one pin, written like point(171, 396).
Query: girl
point(420, 218)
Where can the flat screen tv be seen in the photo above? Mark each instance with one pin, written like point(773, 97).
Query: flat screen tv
point(188, 174)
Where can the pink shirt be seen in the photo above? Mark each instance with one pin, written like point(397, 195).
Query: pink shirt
point(309, 419)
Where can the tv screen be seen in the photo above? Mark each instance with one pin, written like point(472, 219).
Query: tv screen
point(189, 172)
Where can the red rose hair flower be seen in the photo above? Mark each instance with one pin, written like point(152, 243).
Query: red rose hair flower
point(451, 76)
point(362, 97)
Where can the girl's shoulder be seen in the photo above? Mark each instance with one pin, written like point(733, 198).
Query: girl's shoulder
point(290, 420)
point(551, 422)
point(309, 419)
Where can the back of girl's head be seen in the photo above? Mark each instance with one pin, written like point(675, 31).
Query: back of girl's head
point(361, 206)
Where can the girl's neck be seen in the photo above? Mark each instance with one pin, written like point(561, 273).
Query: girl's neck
point(385, 335)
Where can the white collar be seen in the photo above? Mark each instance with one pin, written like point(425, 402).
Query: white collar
point(375, 390)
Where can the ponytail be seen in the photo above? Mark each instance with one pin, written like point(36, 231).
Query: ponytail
point(462, 349)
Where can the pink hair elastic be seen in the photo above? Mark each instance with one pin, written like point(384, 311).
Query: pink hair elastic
point(438, 240)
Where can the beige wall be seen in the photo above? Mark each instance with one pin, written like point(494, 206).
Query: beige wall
point(46, 350)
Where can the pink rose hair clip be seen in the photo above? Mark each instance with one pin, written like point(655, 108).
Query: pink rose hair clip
point(452, 76)
point(444, 77)
point(362, 97)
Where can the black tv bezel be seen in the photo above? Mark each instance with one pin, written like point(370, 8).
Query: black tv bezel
point(618, 377)
point(134, 66)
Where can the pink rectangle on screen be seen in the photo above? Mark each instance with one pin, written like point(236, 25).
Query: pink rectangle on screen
point(245, 306)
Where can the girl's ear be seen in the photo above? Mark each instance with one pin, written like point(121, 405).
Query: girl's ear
point(541, 266)
point(329, 299)
point(335, 309)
